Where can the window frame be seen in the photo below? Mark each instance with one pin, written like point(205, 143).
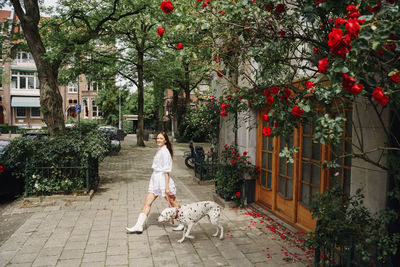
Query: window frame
point(35, 117)
point(16, 112)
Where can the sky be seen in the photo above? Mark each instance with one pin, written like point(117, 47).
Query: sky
point(46, 3)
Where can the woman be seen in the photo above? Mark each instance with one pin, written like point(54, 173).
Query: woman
point(161, 184)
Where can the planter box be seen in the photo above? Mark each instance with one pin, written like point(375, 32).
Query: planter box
point(224, 203)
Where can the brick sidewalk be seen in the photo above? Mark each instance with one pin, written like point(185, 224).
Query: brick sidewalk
point(92, 233)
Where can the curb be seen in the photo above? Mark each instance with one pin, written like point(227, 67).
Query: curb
point(86, 197)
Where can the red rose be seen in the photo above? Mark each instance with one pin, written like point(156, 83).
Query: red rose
point(219, 73)
point(160, 31)
point(286, 94)
point(353, 11)
point(316, 51)
point(317, 2)
point(353, 28)
point(309, 84)
point(380, 97)
point(274, 90)
point(348, 81)
point(270, 100)
point(238, 194)
point(244, 153)
point(340, 21)
point(233, 152)
point(335, 37)
point(223, 113)
point(297, 111)
point(395, 77)
point(270, 7)
point(280, 8)
point(344, 46)
point(179, 46)
point(323, 65)
point(233, 161)
point(265, 117)
point(375, 9)
point(166, 6)
point(355, 89)
point(224, 106)
point(267, 131)
point(282, 33)
point(267, 92)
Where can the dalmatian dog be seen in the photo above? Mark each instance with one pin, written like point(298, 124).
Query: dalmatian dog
point(190, 214)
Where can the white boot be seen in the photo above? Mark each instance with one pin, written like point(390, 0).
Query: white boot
point(178, 228)
point(138, 228)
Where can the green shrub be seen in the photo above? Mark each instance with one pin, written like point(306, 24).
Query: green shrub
point(5, 128)
point(76, 148)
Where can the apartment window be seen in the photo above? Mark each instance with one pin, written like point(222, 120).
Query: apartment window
point(21, 112)
point(24, 80)
point(35, 112)
point(73, 101)
point(85, 107)
point(95, 110)
point(93, 86)
point(24, 57)
point(73, 86)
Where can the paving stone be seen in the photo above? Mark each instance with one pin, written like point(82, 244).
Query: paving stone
point(42, 260)
point(117, 260)
point(71, 254)
point(94, 257)
point(68, 263)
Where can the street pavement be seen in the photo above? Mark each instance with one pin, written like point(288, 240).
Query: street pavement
point(65, 232)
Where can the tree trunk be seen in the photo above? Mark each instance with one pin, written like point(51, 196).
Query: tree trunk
point(175, 112)
point(50, 97)
point(140, 63)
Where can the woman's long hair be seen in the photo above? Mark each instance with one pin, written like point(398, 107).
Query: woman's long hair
point(167, 143)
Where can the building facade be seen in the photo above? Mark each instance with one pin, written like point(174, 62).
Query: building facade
point(20, 87)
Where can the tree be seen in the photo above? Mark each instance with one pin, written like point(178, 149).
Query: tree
point(108, 99)
point(83, 22)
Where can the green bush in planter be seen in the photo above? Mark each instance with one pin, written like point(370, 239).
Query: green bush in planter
point(75, 148)
point(232, 169)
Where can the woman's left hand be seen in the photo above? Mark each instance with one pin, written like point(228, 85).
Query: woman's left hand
point(167, 192)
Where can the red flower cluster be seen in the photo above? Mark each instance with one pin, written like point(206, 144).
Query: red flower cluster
point(224, 107)
point(317, 2)
point(205, 3)
point(339, 44)
point(272, 90)
point(280, 8)
point(285, 95)
point(349, 83)
point(316, 51)
point(269, 7)
point(160, 31)
point(297, 111)
point(395, 77)
point(380, 97)
point(375, 9)
point(353, 11)
point(179, 46)
point(267, 131)
point(265, 117)
point(323, 65)
point(238, 194)
point(166, 7)
point(219, 73)
point(309, 84)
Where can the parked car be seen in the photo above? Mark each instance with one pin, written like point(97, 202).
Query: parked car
point(10, 186)
point(36, 133)
point(111, 132)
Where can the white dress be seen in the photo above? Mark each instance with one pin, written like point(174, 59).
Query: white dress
point(162, 163)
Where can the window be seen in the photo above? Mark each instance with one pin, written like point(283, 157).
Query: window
point(85, 107)
point(73, 101)
point(24, 57)
point(21, 112)
point(93, 86)
point(24, 80)
point(95, 110)
point(35, 112)
point(73, 86)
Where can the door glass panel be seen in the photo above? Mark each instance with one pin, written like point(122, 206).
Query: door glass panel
point(269, 178)
point(304, 194)
point(349, 123)
point(269, 161)
point(282, 165)
point(307, 129)
point(315, 174)
point(316, 151)
point(281, 185)
point(264, 160)
point(314, 191)
point(263, 178)
point(290, 169)
point(306, 171)
point(306, 147)
point(270, 146)
point(289, 192)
